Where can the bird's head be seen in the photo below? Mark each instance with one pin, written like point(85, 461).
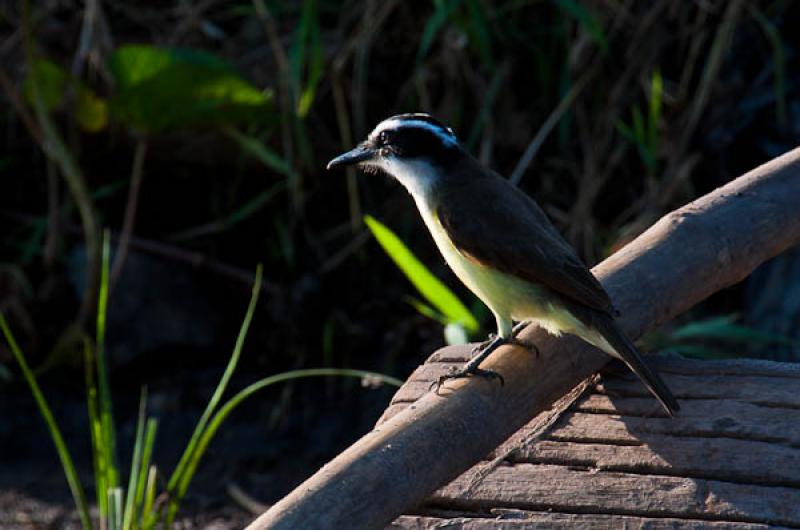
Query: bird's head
point(405, 146)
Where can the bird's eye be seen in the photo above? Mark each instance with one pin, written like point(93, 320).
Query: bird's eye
point(383, 138)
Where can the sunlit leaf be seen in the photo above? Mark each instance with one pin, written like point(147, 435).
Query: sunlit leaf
point(426, 310)
point(430, 287)
point(167, 88)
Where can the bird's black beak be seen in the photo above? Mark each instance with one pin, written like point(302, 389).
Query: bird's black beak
point(354, 156)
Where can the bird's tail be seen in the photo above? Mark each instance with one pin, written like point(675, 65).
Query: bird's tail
point(625, 350)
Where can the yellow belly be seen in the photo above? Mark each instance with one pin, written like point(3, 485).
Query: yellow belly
point(508, 297)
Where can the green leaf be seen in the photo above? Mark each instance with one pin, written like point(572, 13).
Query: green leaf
point(91, 111)
point(258, 150)
point(724, 328)
point(169, 88)
point(51, 79)
point(426, 310)
point(430, 287)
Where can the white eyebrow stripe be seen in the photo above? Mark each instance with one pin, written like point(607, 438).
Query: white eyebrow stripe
point(392, 123)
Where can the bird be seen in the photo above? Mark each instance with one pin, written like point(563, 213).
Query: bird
point(499, 243)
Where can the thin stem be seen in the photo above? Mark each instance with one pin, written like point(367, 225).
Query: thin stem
point(129, 220)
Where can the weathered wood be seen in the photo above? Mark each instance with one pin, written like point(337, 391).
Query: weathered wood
point(719, 444)
point(686, 256)
point(744, 461)
point(782, 392)
point(728, 421)
point(543, 487)
point(521, 519)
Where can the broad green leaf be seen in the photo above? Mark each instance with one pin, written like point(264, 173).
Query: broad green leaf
point(91, 111)
point(168, 88)
point(51, 79)
point(430, 287)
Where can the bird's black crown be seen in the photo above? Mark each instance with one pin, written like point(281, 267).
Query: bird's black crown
point(415, 136)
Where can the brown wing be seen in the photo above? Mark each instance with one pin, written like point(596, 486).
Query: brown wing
point(494, 223)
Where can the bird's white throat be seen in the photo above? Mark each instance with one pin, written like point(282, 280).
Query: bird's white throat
point(417, 176)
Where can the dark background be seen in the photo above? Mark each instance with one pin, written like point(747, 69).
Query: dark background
point(494, 71)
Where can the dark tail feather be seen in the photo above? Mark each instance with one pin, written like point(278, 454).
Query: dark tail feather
point(628, 352)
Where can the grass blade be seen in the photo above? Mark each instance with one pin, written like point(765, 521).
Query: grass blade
point(231, 404)
point(129, 515)
point(95, 431)
point(149, 518)
point(428, 285)
point(255, 148)
point(71, 474)
point(141, 483)
point(109, 441)
point(177, 476)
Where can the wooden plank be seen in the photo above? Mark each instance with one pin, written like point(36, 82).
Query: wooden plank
point(767, 390)
point(748, 367)
point(721, 419)
point(544, 521)
point(708, 458)
point(521, 519)
point(562, 489)
point(643, 405)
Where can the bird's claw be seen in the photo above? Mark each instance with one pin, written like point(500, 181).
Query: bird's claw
point(478, 372)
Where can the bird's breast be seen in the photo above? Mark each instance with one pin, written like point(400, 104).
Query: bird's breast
point(505, 294)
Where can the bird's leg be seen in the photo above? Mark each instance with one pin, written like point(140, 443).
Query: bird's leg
point(531, 347)
point(483, 350)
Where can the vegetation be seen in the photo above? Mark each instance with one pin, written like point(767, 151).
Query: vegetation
point(197, 133)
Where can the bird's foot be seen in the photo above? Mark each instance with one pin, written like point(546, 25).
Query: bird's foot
point(480, 352)
point(467, 372)
point(481, 346)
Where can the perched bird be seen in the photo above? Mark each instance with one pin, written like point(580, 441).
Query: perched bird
point(498, 242)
